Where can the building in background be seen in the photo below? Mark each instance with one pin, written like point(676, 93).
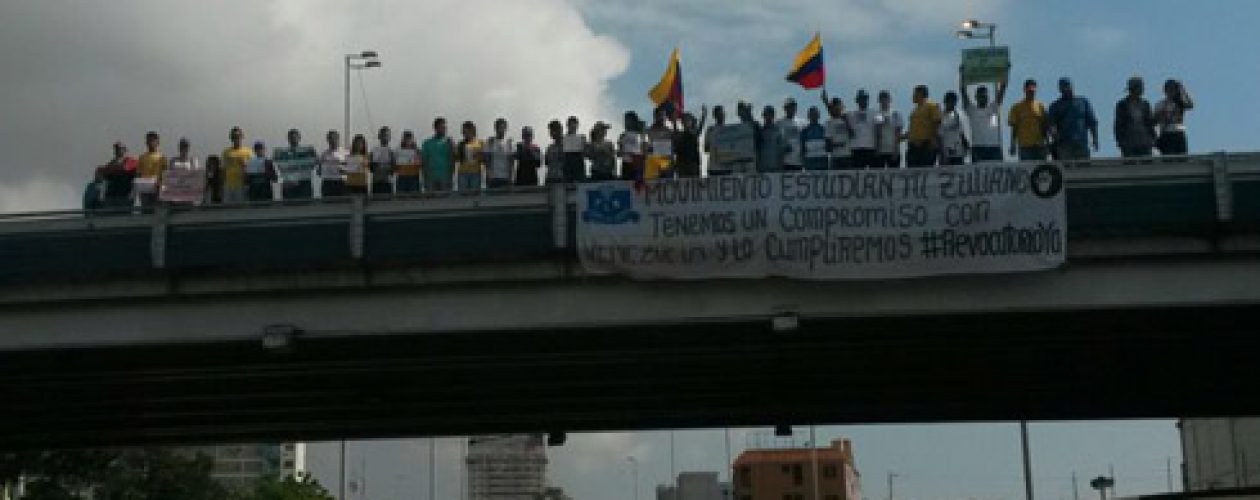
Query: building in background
point(240, 466)
point(554, 493)
point(1220, 453)
point(694, 486)
point(506, 467)
point(789, 473)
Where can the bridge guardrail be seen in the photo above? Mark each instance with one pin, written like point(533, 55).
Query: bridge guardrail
point(1198, 196)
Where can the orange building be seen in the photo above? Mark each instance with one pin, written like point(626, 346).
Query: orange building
point(788, 474)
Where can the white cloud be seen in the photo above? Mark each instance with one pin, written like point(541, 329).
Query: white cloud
point(98, 72)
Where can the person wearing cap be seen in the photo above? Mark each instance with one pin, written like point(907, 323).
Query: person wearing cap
point(499, 151)
point(790, 128)
point(986, 131)
point(687, 144)
point(149, 169)
point(528, 159)
point(574, 152)
point(1027, 120)
point(295, 166)
point(407, 168)
point(117, 176)
point(1073, 126)
point(773, 145)
point(437, 158)
point(861, 122)
point(923, 137)
point(232, 170)
point(259, 174)
point(602, 154)
point(1170, 114)
point(888, 133)
point(382, 163)
point(1134, 125)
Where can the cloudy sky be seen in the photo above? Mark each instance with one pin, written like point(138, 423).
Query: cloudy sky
point(80, 74)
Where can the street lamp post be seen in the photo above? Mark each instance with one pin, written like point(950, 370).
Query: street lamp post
point(363, 60)
point(891, 475)
point(634, 472)
point(971, 28)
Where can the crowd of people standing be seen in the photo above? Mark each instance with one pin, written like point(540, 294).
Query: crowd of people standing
point(671, 146)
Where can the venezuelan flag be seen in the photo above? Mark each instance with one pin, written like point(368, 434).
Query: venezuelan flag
point(670, 88)
point(808, 69)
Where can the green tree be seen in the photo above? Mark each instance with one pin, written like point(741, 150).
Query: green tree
point(304, 487)
point(111, 474)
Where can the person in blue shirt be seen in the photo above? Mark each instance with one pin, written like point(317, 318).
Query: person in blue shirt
point(814, 142)
point(1073, 126)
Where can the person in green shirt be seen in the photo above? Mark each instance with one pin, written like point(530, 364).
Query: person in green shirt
point(437, 158)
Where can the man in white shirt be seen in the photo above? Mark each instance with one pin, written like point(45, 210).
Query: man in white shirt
point(985, 121)
point(888, 133)
point(574, 147)
point(499, 150)
point(950, 133)
point(862, 132)
point(331, 165)
point(382, 164)
point(839, 134)
point(790, 128)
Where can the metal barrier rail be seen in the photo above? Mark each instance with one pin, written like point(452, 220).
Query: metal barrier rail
point(1219, 170)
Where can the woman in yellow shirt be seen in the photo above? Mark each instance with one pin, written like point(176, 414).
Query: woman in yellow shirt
point(472, 161)
point(356, 166)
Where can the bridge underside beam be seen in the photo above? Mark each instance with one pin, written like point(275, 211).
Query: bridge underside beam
point(1119, 363)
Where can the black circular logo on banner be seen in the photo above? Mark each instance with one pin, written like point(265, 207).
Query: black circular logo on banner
point(1046, 181)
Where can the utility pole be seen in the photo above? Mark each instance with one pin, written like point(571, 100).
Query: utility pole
point(432, 469)
point(891, 475)
point(1028, 485)
point(813, 453)
point(1076, 492)
point(1168, 469)
point(342, 471)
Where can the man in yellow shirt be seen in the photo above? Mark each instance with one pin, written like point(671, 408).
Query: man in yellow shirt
point(922, 139)
point(234, 159)
point(149, 169)
point(1028, 126)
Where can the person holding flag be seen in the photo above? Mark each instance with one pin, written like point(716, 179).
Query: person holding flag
point(670, 88)
point(809, 72)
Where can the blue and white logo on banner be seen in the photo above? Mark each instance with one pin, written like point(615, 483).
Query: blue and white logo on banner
point(609, 205)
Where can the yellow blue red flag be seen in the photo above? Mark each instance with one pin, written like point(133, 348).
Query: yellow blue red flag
point(808, 70)
point(670, 88)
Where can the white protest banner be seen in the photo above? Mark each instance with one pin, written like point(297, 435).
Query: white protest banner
point(294, 164)
point(831, 225)
point(183, 185)
point(734, 147)
point(985, 64)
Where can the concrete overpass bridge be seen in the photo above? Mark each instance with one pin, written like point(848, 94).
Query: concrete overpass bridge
point(467, 314)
